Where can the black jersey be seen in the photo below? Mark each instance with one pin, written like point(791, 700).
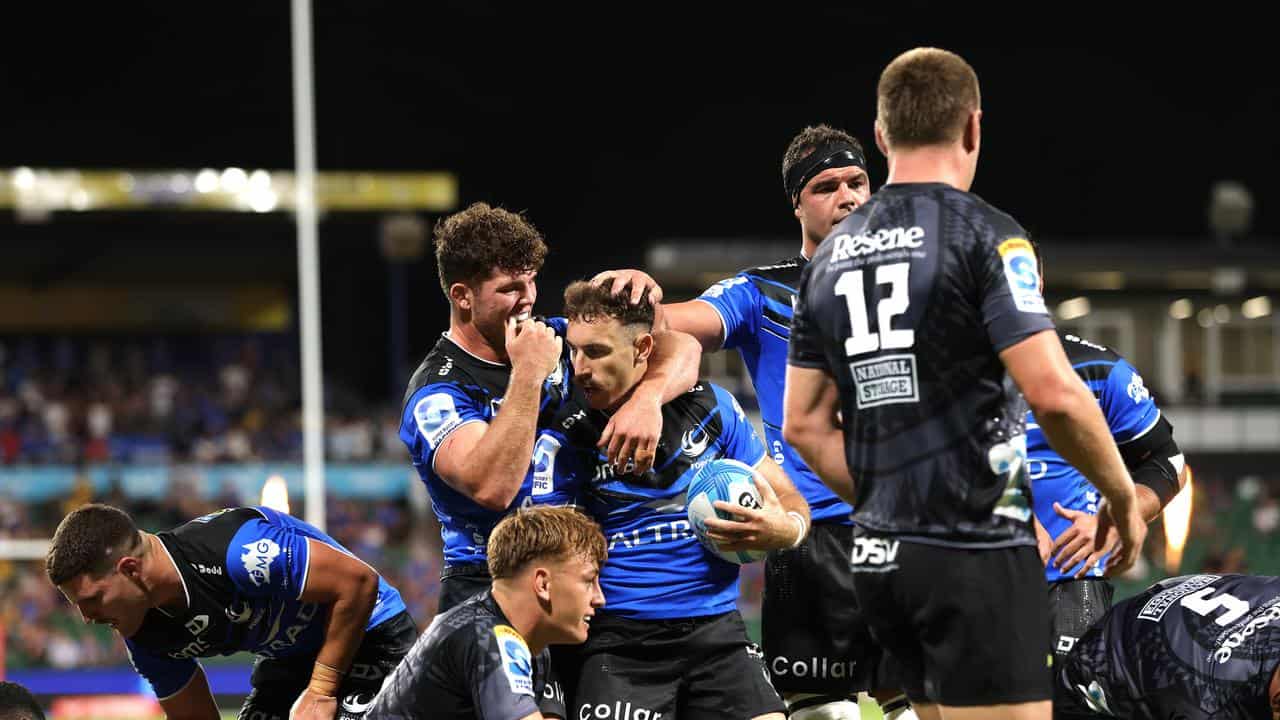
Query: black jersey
point(243, 572)
point(1197, 647)
point(907, 305)
point(470, 664)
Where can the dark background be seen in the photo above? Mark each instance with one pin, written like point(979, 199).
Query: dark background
point(611, 129)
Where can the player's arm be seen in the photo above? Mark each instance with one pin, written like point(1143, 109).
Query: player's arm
point(1075, 428)
point(632, 432)
point(488, 462)
point(193, 702)
point(811, 425)
point(1159, 473)
point(782, 520)
point(699, 318)
point(349, 588)
point(180, 685)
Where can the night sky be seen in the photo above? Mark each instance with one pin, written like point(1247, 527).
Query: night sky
point(610, 130)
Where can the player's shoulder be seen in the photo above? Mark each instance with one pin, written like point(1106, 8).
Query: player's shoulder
point(784, 272)
point(1082, 350)
point(701, 395)
point(449, 364)
point(225, 521)
point(981, 214)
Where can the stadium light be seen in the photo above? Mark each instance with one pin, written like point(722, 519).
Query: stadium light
point(1076, 307)
point(1254, 308)
point(1177, 523)
point(275, 494)
point(1222, 314)
point(1205, 318)
point(1181, 309)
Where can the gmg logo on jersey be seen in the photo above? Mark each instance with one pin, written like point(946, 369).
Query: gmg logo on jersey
point(257, 560)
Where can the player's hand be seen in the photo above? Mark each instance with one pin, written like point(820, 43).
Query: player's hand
point(533, 346)
point(620, 280)
point(630, 440)
point(1078, 543)
point(1131, 530)
point(768, 527)
point(311, 705)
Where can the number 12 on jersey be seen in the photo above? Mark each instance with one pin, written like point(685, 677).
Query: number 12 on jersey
point(861, 339)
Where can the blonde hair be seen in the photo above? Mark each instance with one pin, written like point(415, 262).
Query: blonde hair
point(925, 97)
point(543, 531)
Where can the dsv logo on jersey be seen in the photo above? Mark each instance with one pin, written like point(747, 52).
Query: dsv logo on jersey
point(257, 559)
point(880, 554)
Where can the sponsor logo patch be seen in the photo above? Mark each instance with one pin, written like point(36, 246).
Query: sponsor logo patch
point(885, 380)
point(257, 560)
point(1157, 606)
point(436, 417)
point(517, 662)
point(1024, 277)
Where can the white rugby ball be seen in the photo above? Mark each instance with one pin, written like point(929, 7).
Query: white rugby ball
point(728, 480)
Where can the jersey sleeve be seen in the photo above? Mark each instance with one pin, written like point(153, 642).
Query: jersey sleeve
point(738, 439)
point(559, 325)
point(166, 675)
point(265, 559)
point(500, 676)
point(737, 301)
point(805, 348)
point(1009, 287)
point(431, 415)
point(1127, 404)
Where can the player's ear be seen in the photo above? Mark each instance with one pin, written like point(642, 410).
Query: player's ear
point(542, 584)
point(460, 295)
point(643, 346)
point(130, 567)
point(880, 141)
point(973, 132)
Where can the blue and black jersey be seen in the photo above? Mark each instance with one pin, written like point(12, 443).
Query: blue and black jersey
point(906, 305)
point(243, 573)
point(1133, 418)
point(656, 568)
point(470, 664)
point(452, 388)
point(755, 311)
point(1200, 647)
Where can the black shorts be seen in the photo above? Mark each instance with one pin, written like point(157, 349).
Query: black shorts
point(815, 638)
point(277, 682)
point(461, 582)
point(1074, 605)
point(964, 626)
point(687, 669)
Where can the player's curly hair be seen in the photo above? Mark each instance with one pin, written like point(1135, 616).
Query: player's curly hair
point(543, 531)
point(90, 540)
point(474, 243)
point(924, 98)
point(588, 303)
point(811, 138)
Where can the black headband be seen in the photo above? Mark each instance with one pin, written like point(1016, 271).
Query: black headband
point(825, 157)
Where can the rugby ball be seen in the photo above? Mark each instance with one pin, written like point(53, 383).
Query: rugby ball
point(728, 480)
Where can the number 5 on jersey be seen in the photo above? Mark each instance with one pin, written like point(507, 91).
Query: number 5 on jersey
point(861, 340)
